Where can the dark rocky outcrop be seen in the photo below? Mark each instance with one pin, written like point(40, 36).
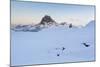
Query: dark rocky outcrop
point(46, 20)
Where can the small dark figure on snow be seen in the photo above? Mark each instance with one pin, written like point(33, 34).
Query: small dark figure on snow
point(58, 54)
point(63, 48)
point(86, 45)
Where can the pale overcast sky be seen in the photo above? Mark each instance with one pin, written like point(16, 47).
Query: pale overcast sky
point(31, 12)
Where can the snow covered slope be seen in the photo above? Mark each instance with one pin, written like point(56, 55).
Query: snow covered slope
point(55, 44)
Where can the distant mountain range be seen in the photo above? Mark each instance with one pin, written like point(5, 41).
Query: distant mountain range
point(45, 22)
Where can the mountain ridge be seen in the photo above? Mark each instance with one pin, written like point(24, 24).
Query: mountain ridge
point(45, 22)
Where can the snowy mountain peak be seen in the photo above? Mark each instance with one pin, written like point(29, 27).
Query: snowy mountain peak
point(47, 20)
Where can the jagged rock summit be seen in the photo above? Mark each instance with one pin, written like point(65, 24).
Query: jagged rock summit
point(47, 20)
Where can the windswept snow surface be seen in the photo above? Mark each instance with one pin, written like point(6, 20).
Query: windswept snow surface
point(42, 47)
